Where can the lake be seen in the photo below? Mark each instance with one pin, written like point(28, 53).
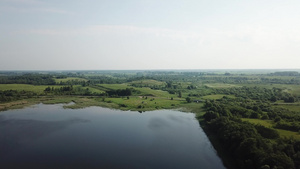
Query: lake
point(49, 136)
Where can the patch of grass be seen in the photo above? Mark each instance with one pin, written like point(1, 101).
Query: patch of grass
point(196, 108)
point(220, 85)
point(57, 100)
point(217, 96)
point(288, 134)
point(266, 123)
point(83, 102)
point(291, 106)
point(26, 87)
point(149, 82)
point(145, 91)
point(140, 103)
point(93, 89)
point(114, 86)
point(14, 105)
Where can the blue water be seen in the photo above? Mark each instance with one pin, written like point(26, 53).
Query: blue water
point(49, 136)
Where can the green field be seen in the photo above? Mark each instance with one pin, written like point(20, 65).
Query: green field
point(266, 123)
point(141, 103)
point(288, 134)
point(217, 96)
point(114, 86)
point(148, 82)
point(93, 89)
point(25, 87)
point(41, 88)
point(143, 91)
point(220, 85)
point(291, 106)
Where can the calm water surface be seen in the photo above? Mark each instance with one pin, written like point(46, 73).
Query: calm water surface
point(48, 136)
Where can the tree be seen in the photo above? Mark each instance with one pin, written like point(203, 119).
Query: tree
point(179, 94)
point(188, 99)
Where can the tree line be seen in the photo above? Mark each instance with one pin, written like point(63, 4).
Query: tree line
point(253, 146)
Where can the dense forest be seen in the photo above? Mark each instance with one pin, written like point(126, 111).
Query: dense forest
point(254, 146)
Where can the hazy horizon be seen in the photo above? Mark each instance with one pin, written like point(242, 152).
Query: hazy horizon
point(149, 35)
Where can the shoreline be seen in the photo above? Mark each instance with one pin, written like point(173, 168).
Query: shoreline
point(85, 101)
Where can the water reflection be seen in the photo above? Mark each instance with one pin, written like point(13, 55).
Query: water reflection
point(13, 132)
point(158, 123)
point(48, 136)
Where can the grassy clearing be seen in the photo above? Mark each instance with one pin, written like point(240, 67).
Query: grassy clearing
point(114, 86)
point(217, 96)
point(269, 123)
point(220, 85)
point(196, 108)
point(93, 89)
point(69, 79)
point(288, 134)
point(148, 82)
point(140, 103)
point(83, 102)
point(150, 92)
point(144, 91)
point(15, 105)
point(58, 99)
point(26, 87)
point(266, 123)
point(80, 102)
point(290, 106)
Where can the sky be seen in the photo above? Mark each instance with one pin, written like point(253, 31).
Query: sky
point(149, 34)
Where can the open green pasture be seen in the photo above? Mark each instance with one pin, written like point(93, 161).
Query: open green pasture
point(145, 91)
point(93, 89)
point(149, 82)
point(113, 86)
point(25, 87)
point(141, 103)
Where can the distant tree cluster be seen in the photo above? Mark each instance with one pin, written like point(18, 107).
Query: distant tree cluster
point(286, 73)
point(70, 90)
point(34, 79)
point(258, 93)
point(11, 95)
point(120, 92)
point(255, 147)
